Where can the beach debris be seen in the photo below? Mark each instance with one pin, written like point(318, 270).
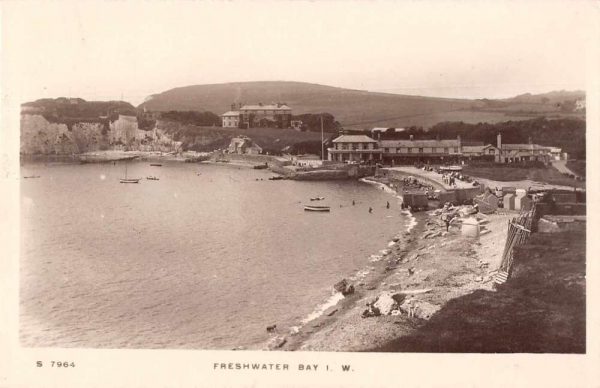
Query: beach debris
point(385, 252)
point(478, 278)
point(276, 342)
point(374, 258)
point(384, 304)
point(411, 271)
point(344, 287)
point(239, 348)
point(419, 309)
point(415, 292)
point(332, 312)
point(271, 328)
point(294, 330)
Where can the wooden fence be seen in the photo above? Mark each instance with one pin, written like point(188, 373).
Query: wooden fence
point(519, 230)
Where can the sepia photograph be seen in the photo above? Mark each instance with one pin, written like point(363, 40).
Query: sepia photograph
point(280, 179)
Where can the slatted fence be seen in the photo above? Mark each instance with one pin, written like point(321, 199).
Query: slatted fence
point(519, 230)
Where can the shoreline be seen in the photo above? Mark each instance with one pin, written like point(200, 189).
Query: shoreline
point(426, 271)
point(368, 278)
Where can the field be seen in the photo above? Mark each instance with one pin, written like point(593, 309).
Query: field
point(541, 309)
point(507, 174)
point(359, 109)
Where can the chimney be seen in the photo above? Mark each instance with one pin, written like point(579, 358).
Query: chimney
point(499, 141)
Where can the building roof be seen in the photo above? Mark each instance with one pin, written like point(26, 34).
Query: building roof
point(477, 148)
point(527, 147)
point(266, 107)
point(381, 129)
point(231, 113)
point(354, 139)
point(419, 143)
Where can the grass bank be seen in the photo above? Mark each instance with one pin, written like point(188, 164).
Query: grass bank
point(541, 309)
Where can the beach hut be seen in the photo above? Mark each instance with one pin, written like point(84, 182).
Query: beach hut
point(519, 194)
point(509, 202)
point(523, 203)
point(470, 227)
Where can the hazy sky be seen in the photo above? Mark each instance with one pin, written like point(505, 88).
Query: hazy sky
point(444, 48)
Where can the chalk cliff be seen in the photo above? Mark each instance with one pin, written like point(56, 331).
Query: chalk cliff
point(41, 136)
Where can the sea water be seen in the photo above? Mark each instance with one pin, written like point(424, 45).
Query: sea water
point(205, 258)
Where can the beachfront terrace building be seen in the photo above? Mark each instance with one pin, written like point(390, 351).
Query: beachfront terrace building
point(480, 152)
point(354, 148)
point(529, 152)
point(420, 151)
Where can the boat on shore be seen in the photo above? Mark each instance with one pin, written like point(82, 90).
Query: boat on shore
point(311, 208)
point(261, 166)
point(156, 164)
point(276, 178)
point(317, 198)
point(31, 176)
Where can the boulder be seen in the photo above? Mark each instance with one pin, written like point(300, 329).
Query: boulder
point(344, 287)
point(276, 342)
point(419, 309)
point(387, 303)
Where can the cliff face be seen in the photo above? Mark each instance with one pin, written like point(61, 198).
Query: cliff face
point(40, 136)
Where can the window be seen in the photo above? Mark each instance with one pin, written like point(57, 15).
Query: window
point(456, 150)
point(446, 150)
point(420, 150)
point(386, 150)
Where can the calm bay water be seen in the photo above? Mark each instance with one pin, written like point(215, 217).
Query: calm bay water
point(205, 258)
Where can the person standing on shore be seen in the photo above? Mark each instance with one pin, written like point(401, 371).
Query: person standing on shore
point(387, 204)
point(370, 209)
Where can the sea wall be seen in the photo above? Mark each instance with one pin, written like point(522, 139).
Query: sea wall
point(42, 137)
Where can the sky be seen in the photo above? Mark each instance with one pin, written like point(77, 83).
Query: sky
point(130, 50)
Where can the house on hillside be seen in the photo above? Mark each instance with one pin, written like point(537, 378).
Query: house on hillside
point(243, 145)
point(231, 119)
point(272, 115)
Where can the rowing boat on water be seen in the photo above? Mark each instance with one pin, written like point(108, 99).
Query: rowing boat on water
point(317, 208)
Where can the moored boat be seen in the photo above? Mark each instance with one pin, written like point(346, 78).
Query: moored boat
point(317, 198)
point(311, 208)
point(129, 180)
point(152, 178)
point(156, 164)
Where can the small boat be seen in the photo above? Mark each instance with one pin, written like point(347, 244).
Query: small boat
point(261, 166)
point(310, 208)
point(31, 176)
point(156, 164)
point(317, 198)
point(129, 180)
point(152, 178)
point(275, 178)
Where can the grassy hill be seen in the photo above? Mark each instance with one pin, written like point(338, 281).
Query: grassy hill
point(363, 109)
